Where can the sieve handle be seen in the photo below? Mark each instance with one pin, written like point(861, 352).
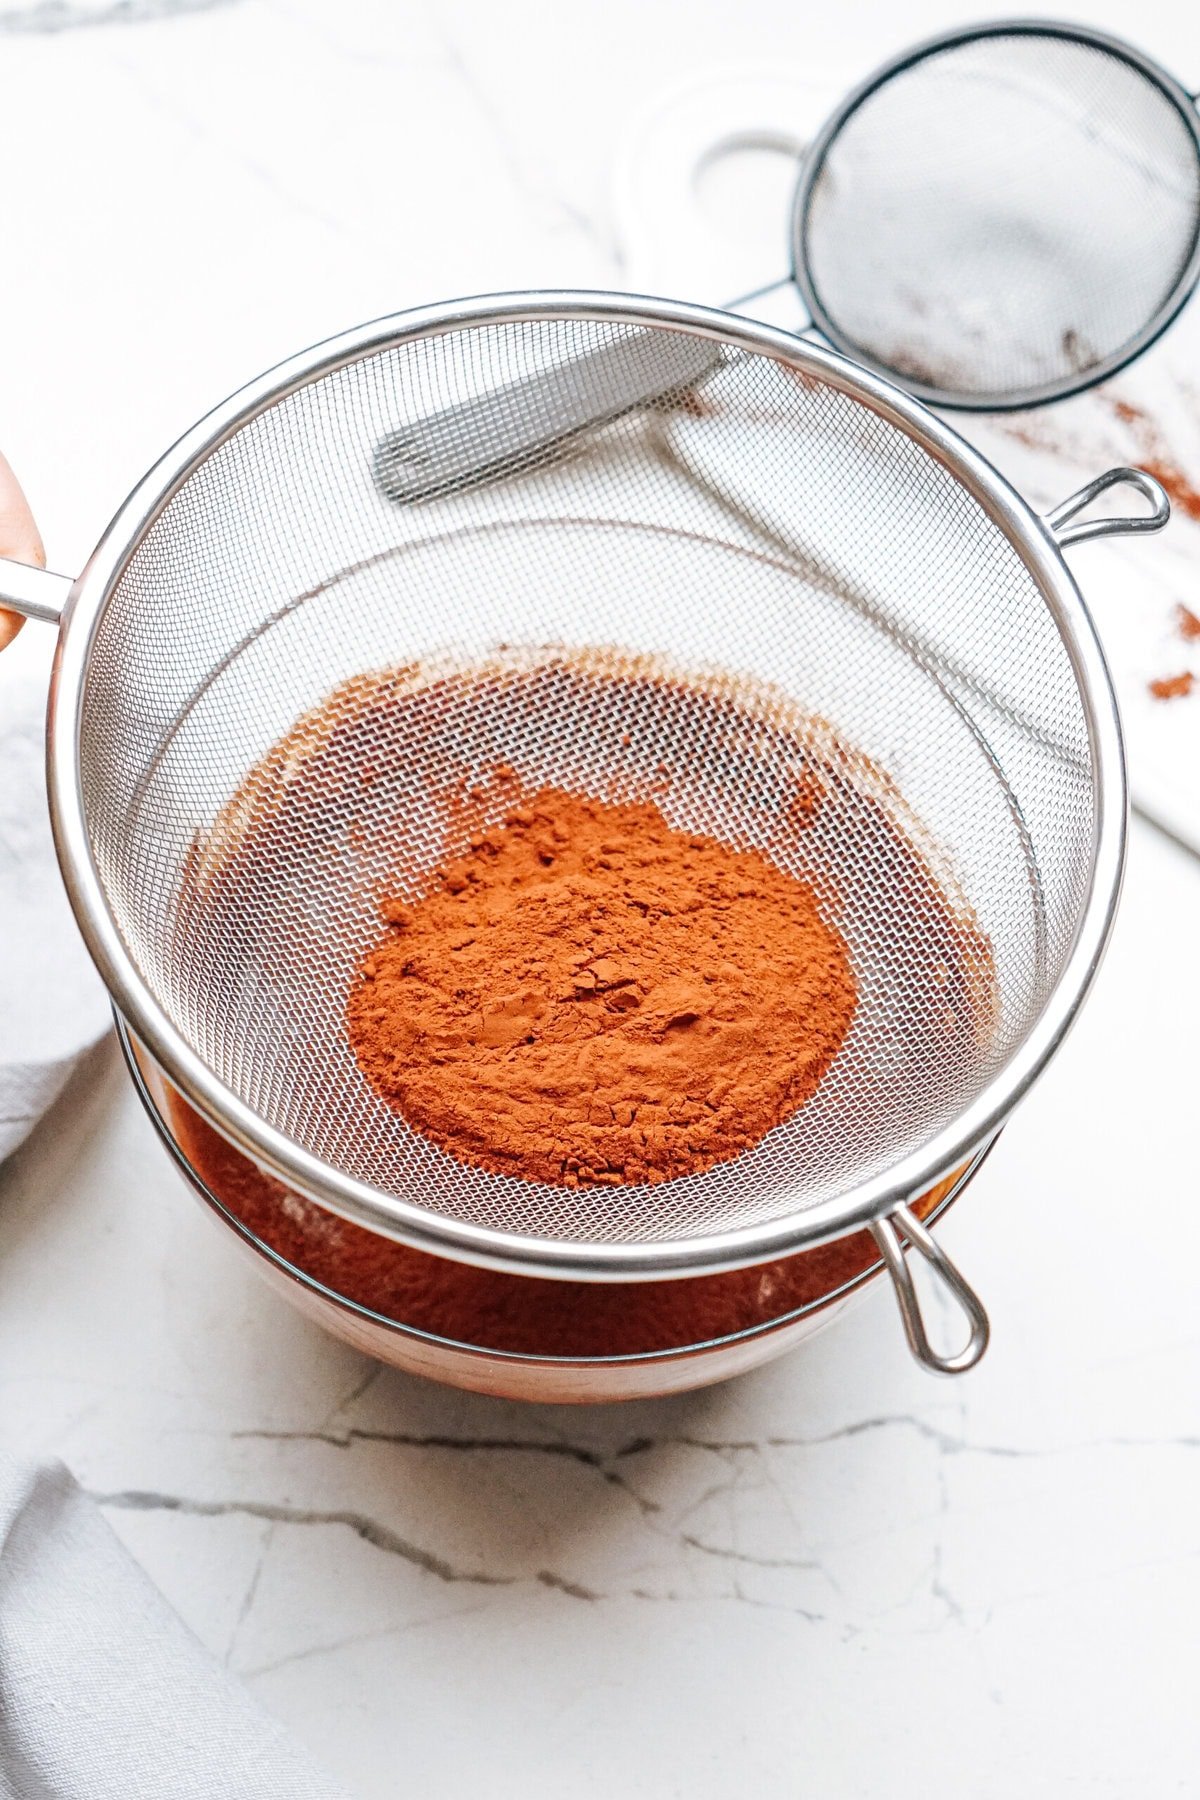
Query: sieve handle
point(887, 1238)
point(507, 431)
point(1065, 534)
point(34, 593)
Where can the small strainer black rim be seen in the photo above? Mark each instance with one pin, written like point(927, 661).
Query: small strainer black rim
point(816, 162)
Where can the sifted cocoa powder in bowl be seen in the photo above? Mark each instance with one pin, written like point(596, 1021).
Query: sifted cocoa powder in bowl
point(588, 995)
point(517, 1314)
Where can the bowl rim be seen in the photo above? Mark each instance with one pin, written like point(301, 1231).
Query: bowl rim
point(525, 1358)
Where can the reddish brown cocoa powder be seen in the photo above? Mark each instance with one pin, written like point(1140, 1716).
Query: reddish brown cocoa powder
point(590, 996)
point(1173, 687)
point(1156, 457)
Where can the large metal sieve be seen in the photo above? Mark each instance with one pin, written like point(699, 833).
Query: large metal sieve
point(910, 622)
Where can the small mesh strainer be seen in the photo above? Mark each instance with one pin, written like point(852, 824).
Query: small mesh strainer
point(1002, 216)
point(997, 218)
point(924, 634)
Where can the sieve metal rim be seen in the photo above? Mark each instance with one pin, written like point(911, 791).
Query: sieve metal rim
point(1022, 399)
point(853, 1285)
point(404, 1220)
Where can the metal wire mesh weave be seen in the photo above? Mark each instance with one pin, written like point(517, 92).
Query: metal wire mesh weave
point(860, 598)
point(1005, 217)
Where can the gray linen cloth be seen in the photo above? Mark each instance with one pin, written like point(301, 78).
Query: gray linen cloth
point(52, 1003)
point(104, 1693)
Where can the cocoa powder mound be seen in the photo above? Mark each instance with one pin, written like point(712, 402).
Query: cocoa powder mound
point(591, 996)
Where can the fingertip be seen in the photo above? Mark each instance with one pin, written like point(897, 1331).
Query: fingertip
point(19, 535)
point(20, 540)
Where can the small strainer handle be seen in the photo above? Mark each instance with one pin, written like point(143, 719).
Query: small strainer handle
point(887, 1238)
point(494, 434)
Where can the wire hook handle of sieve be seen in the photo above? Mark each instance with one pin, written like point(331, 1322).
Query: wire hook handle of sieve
point(1120, 525)
point(886, 1233)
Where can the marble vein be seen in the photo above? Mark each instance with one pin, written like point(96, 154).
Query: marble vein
point(166, 102)
point(331, 1646)
point(938, 1586)
point(731, 1553)
point(379, 1536)
point(49, 16)
point(533, 187)
point(391, 1543)
point(361, 1387)
point(945, 1441)
point(251, 1593)
point(357, 1434)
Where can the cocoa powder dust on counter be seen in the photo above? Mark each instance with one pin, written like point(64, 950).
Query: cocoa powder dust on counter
point(588, 995)
point(1173, 687)
point(1156, 457)
point(1178, 687)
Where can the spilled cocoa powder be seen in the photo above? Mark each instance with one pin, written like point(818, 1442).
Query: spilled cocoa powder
point(588, 995)
point(1178, 687)
point(1146, 445)
point(1150, 450)
point(1156, 457)
point(1173, 687)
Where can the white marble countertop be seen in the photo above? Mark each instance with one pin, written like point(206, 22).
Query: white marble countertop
point(837, 1577)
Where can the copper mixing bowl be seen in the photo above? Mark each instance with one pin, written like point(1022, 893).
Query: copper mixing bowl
point(781, 1304)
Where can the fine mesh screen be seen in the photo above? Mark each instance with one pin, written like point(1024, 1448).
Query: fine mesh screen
point(1003, 217)
point(594, 619)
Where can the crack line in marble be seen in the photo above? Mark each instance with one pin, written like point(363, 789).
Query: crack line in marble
point(253, 1671)
point(729, 1554)
point(561, 1585)
point(530, 186)
point(358, 1434)
point(362, 1385)
point(372, 54)
point(370, 1530)
point(945, 1441)
point(381, 1538)
point(937, 1582)
point(248, 1598)
point(273, 182)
